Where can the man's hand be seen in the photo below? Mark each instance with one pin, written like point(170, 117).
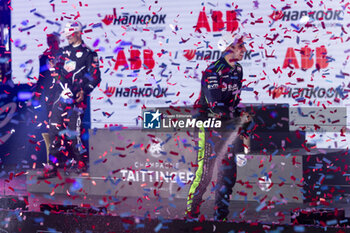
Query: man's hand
point(246, 117)
point(66, 92)
point(80, 96)
point(52, 63)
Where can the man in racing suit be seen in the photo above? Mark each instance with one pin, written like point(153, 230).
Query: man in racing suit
point(219, 97)
point(44, 88)
point(77, 74)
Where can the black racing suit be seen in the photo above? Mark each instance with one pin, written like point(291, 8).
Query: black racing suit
point(219, 97)
point(45, 88)
point(77, 69)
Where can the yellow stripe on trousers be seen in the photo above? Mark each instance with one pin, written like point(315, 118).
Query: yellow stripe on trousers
point(199, 172)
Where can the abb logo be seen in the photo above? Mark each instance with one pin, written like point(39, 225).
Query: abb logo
point(307, 58)
point(135, 60)
point(218, 23)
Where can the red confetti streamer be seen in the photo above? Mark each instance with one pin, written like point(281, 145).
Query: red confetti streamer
point(174, 153)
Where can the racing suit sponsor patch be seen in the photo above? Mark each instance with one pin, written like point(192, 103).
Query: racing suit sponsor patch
point(79, 54)
point(69, 65)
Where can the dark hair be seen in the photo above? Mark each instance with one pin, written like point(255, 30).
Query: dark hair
point(54, 34)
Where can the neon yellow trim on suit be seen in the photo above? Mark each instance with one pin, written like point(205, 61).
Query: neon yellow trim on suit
point(199, 172)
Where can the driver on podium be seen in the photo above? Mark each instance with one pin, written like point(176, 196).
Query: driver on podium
point(76, 75)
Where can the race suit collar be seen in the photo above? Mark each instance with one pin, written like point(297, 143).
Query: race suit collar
point(228, 64)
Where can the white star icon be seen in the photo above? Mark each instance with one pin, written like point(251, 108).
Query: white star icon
point(155, 115)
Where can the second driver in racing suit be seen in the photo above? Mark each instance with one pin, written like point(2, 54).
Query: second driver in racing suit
point(220, 94)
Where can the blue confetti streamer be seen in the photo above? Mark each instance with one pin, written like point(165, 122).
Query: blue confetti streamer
point(260, 207)
point(140, 225)
point(98, 161)
point(50, 22)
point(295, 26)
point(97, 25)
point(299, 228)
point(179, 182)
point(158, 227)
point(39, 219)
point(39, 15)
point(332, 222)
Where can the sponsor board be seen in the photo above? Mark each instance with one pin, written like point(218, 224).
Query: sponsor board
point(132, 168)
point(152, 54)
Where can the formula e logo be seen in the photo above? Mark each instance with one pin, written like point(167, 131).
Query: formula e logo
point(157, 148)
point(151, 119)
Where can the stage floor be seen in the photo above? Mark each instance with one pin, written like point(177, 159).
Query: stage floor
point(174, 209)
point(13, 183)
point(144, 214)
